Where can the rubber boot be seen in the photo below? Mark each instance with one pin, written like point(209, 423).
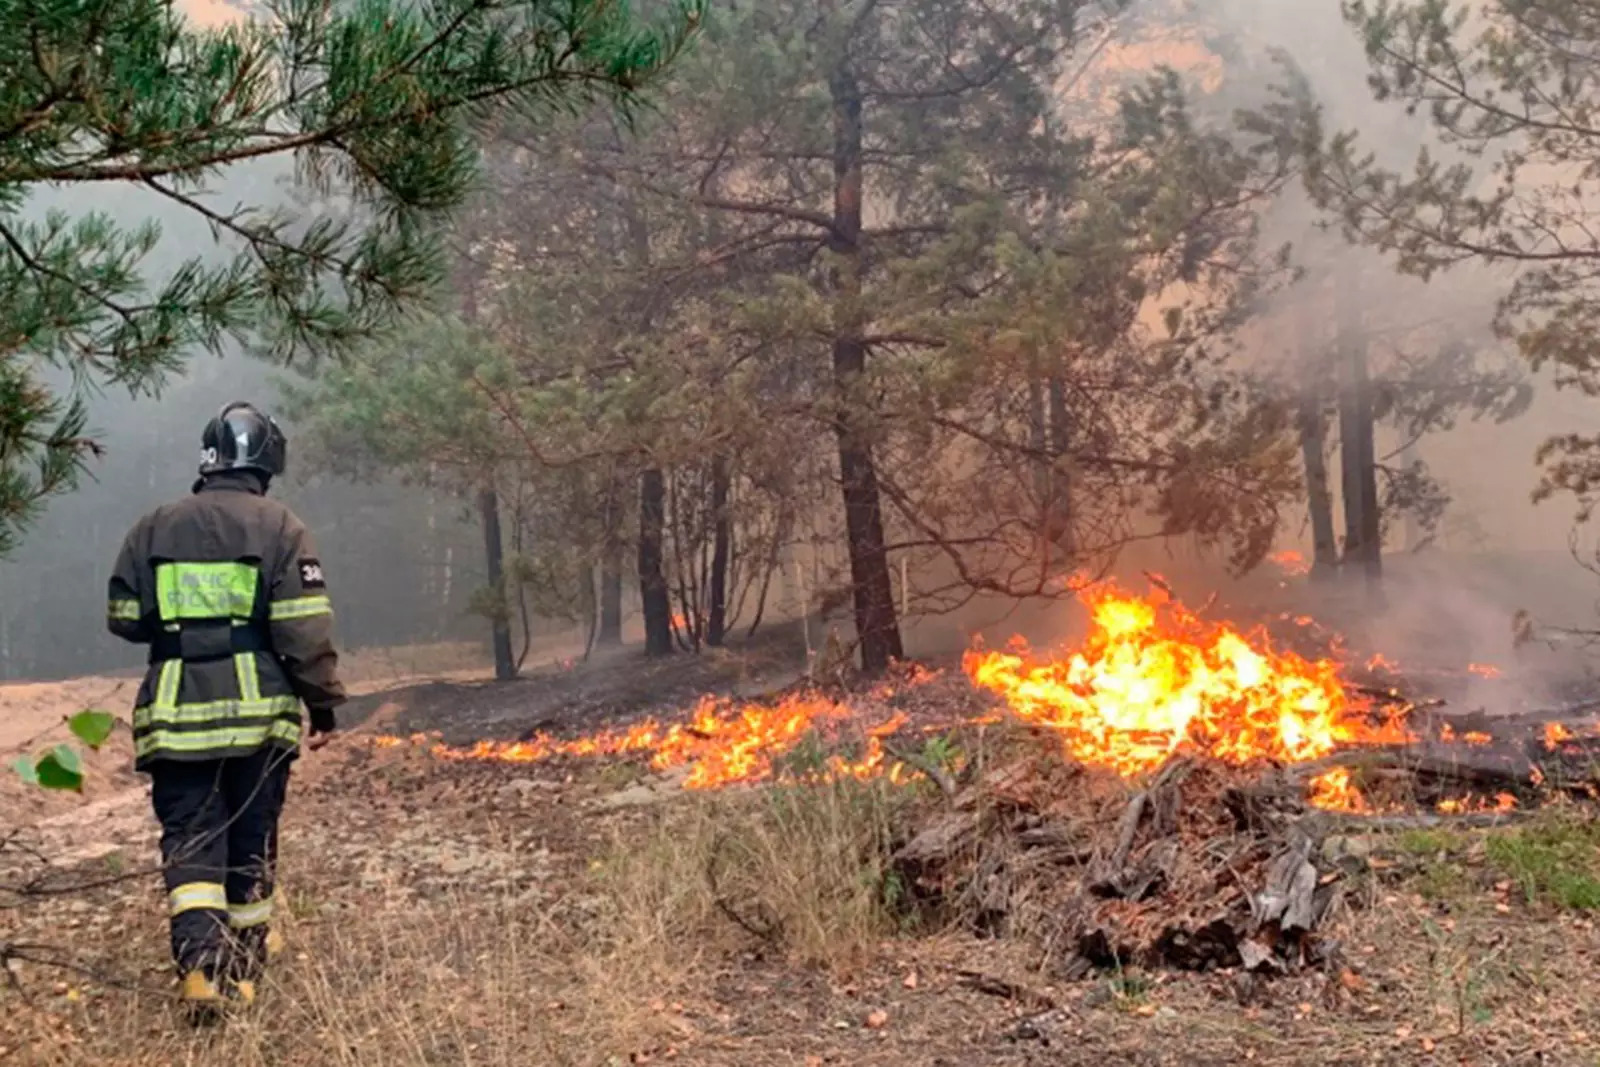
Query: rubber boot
point(203, 1001)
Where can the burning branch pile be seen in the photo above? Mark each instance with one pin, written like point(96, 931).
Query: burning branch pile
point(1208, 779)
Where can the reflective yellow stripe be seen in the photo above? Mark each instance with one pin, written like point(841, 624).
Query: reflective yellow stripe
point(214, 711)
point(126, 610)
point(244, 916)
point(249, 678)
point(198, 742)
point(302, 607)
point(167, 684)
point(193, 895)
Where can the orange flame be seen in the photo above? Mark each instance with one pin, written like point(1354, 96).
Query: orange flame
point(721, 745)
point(1502, 802)
point(1334, 791)
point(1556, 735)
point(1152, 680)
point(1484, 670)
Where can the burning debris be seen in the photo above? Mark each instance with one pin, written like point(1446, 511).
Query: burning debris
point(1184, 809)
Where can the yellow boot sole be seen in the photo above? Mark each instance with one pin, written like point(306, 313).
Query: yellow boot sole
point(202, 1000)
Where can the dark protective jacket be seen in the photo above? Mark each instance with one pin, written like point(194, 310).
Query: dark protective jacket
point(226, 588)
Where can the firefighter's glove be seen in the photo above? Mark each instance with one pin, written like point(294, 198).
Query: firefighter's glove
point(323, 726)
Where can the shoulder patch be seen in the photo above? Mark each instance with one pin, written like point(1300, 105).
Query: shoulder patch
point(311, 574)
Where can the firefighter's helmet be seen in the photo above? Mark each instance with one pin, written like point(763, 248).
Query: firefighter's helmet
point(242, 437)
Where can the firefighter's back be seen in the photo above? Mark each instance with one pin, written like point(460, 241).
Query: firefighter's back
point(214, 688)
point(219, 527)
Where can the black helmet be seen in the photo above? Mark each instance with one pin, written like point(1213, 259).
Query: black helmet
point(243, 438)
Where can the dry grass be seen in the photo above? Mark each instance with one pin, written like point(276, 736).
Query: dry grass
point(683, 931)
point(459, 981)
point(802, 868)
point(592, 975)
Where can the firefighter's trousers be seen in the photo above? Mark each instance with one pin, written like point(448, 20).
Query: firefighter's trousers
point(219, 842)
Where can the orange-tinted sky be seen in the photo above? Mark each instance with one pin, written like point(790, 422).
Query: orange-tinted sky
point(209, 12)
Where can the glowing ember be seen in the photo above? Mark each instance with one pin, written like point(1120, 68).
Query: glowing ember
point(1555, 735)
point(1380, 662)
point(1484, 670)
point(1332, 790)
point(1502, 802)
point(1152, 680)
point(1291, 563)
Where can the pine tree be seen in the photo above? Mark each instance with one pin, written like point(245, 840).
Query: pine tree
point(376, 102)
point(1509, 90)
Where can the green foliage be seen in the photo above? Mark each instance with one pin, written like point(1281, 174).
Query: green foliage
point(376, 101)
point(59, 768)
point(677, 301)
point(1511, 98)
point(1556, 861)
point(92, 727)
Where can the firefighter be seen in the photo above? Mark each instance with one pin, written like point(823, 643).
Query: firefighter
point(226, 588)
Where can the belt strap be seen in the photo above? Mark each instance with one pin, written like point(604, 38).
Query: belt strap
point(251, 637)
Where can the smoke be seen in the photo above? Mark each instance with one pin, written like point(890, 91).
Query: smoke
point(1494, 553)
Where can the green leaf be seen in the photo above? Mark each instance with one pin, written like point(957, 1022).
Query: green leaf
point(92, 727)
point(60, 768)
point(24, 768)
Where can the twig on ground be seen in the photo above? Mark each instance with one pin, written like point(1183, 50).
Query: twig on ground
point(989, 984)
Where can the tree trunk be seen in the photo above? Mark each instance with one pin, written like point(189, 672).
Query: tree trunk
point(721, 549)
point(1060, 483)
point(1319, 494)
point(1363, 546)
point(877, 628)
point(655, 602)
point(609, 632)
point(1039, 444)
point(494, 556)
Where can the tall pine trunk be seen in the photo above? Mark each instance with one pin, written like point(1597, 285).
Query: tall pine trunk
point(505, 666)
point(655, 601)
point(1319, 493)
point(877, 628)
point(1363, 547)
point(721, 549)
point(609, 631)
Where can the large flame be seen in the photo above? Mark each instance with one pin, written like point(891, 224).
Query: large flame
point(1152, 679)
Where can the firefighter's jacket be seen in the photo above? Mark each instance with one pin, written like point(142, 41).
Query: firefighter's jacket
point(226, 588)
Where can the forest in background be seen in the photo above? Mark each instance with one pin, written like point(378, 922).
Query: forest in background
point(838, 313)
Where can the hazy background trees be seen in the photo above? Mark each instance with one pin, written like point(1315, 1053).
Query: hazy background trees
point(900, 308)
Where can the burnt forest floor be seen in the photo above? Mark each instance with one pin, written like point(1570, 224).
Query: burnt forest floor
point(451, 912)
point(616, 684)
